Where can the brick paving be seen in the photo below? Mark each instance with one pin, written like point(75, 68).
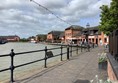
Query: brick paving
point(79, 69)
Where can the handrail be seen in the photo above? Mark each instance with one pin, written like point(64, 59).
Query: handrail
point(29, 52)
point(12, 55)
point(5, 55)
point(4, 69)
point(28, 63)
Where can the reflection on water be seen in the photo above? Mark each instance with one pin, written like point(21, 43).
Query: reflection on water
point(20, 59)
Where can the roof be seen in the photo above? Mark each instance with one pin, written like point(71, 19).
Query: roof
point(86, 29)
point(91, 28)
point(62, 34)
point(10, 36)
point(55, 32)
point(94, 28)
point(75, 27)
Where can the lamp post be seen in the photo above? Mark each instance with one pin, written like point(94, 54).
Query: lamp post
point(87, 33)
point(87, 26)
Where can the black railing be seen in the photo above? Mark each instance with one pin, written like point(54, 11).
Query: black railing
point(113, 44)
point(47, 56)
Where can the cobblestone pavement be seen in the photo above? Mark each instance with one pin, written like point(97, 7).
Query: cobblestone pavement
point(79, 69)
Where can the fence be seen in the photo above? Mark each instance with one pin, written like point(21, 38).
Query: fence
point(48, 54)
point(113, 44)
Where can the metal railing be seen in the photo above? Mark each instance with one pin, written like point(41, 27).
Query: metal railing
point(13, 54)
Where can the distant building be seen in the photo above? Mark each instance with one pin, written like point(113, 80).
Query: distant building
point(92, 35)
point(62, 37)
point(96, 36)
point(54, 36)
point(70, 33)
point(41, 37)
point(76, 34)
point(12, 38)
point(32, 39)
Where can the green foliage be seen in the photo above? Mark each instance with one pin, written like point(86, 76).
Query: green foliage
point(109, 17)
point(102, 58)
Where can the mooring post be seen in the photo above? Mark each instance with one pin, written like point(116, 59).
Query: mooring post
point(12, 54)
point(67, 52)
point(71, 51)
point(77, 49)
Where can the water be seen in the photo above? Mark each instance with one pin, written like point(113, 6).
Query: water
point(20, 59)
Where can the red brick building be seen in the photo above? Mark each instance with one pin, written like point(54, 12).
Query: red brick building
point(54, 36)
point(76, 34)
point(13, 38)
point(70, 33)
point(96, 36)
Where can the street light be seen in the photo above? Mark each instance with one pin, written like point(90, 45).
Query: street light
point(87, 33)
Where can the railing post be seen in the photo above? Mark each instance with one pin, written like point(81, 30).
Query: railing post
point(71, 51)
point(45, 66)
point(12, 54)
point(61, 52)
point(77, 50)
point(67, 52)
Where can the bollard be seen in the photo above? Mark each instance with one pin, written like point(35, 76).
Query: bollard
point(61, 52)
point(93, 45)
point(77, 50)
point(71, 51)
point(45, 66)
point(88, 47)
point(67, 52)
point(12, 54)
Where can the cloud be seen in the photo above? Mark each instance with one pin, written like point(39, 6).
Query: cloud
point(24, 18)
point(52, 4)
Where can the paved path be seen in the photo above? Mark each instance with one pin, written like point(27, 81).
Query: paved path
point(79, 69)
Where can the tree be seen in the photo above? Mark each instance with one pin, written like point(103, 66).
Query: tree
point(109, 17)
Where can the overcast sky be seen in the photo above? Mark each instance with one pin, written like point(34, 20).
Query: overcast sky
point(24, 18)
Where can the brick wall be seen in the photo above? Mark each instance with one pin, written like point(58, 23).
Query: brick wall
point(111, 74)
point(68, 34)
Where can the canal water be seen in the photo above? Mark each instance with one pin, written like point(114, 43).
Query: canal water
point(20, 59)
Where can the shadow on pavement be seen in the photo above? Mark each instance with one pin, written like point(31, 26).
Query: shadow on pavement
point(82, 81)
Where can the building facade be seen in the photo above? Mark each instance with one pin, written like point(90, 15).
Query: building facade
point(78, 34)
point(54, 36)
point(96, 36)
point(70, 33)
point(13, 38)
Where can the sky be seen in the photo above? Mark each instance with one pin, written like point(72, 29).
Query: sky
point(25, 18)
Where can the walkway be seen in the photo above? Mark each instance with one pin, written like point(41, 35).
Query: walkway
point(79, 69)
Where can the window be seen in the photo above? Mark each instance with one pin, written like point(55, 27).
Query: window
point(92, 39)
point(105, 40)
